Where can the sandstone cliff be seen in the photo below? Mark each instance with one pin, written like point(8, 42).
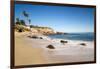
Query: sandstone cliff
point(40, 30)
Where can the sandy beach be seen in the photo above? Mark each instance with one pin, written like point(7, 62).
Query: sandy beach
point(25, 54)
point(29, 51)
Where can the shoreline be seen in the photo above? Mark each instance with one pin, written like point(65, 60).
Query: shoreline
point(27, 50)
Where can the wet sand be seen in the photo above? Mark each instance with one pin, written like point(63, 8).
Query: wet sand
point(29, 51)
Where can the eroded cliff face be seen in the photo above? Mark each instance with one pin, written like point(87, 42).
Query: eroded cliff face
point(40, 30)
point(44, 31)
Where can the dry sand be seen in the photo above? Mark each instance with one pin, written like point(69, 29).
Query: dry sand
point(30, 51)
point(25, 54)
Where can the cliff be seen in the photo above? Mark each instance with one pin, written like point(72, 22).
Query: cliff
point(35, 29)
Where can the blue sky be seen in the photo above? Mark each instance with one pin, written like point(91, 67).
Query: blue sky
point(60, 18)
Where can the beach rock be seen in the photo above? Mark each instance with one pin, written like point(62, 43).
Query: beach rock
point(83, 44)
point(41, 38)
point(20, 30)
point(63, 41)
point(33, 37)
point(50, 47)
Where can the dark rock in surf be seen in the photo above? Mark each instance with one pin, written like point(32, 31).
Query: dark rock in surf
point(63, 41)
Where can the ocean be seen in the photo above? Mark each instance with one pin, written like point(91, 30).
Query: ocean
point(74, 36)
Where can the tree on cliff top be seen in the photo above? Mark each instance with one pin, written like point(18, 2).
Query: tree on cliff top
point(27, 16)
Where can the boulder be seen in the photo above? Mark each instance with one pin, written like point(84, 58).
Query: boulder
point(50, 47)
point(20, 30)
point(64, 41)
point(83, 44)
point(35, 37)
point(40, 37)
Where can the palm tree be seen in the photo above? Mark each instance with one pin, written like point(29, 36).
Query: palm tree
point(30, 24)
point(29, 21)
point(17, 21)
point(22, 22)
point(26, 15)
